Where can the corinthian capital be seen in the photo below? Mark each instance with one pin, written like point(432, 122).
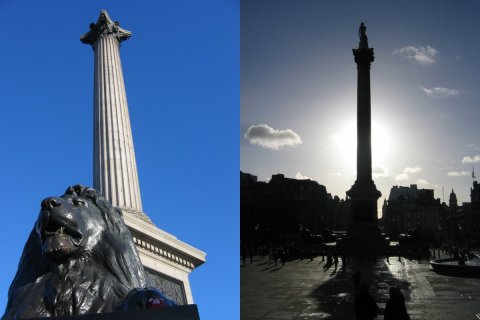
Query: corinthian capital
point(105, 27)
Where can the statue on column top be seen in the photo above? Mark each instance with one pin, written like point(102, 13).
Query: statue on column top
point(362, 35)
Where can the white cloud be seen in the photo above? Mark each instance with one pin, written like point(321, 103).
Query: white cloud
point(300, 176)
point(269, 138)
point(474, 159)
point(335, 174)
point(440, 92)
point(423, 182)
point(422, 55)
point(401, 176)
point(406, 171)
point(379, 172)
point(458, 173)
point(412, 170)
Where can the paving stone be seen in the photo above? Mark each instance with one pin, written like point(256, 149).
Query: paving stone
point(303, 290)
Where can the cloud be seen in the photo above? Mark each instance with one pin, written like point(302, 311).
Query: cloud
point(412, 170)
point(379, 172)
point(335, 174)
point(440, 92)
point(300, 176)
point(421, 55)
point(402, 176)
point(270, 138)
point(474, 159)
point(406, 171)
point(425, 183)
point(458, 173)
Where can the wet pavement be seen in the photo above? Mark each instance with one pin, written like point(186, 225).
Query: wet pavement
point(304, 290)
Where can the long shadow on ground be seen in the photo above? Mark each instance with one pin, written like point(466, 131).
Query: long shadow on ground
point(335, 297)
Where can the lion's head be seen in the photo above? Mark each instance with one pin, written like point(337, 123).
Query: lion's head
point(79, 258)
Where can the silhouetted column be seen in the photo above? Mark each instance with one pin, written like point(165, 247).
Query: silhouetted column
point(364, 193)
point(115, 168)
point(363, 58)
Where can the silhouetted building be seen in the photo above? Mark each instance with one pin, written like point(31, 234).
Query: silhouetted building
point(283, 208)
point(464, 221)
point(410, 208)
point(342, 213)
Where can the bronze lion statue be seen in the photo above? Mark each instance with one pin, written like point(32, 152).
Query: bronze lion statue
point(78, 259)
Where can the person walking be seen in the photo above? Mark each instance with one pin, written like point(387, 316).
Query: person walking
point(395, 308)
point(365, 306)
point(357, 277)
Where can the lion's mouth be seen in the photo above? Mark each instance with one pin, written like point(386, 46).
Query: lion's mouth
point(59, 239)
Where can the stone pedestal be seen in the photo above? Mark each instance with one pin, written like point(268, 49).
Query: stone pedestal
point(364, 237)
point(188, 312)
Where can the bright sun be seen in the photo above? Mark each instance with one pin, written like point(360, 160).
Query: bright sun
point(347, 143)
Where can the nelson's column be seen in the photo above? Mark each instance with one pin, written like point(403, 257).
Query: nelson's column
point(363, 234)
point(167, 260)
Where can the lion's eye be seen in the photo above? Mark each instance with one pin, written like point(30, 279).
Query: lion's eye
point(78, 202)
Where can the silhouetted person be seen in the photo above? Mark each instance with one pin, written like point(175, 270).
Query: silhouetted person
point(365, 306)
point(283, 257)
point(329, 260)
point(395, 308)
point(335, 261)
point(357, 276)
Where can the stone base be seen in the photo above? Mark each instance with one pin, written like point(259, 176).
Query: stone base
point(187, 312)
point(364, 239)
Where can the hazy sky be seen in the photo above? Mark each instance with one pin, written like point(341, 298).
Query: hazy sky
point(298, 92)
point(181, 69)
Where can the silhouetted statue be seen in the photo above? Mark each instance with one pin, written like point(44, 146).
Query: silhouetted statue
point(365, 306)
point(79, 258)
point(395, 308)
point(363, 36)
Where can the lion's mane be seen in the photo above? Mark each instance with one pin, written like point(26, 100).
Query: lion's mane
point(92, 280)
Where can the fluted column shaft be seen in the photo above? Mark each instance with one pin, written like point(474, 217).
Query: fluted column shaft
point(115, 169)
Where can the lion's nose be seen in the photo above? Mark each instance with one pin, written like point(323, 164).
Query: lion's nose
point(50, 203)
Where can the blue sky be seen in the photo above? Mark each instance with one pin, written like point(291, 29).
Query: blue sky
point(181, 69)
point(298, 92)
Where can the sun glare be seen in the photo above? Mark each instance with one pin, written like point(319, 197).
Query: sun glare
point(347, 143)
